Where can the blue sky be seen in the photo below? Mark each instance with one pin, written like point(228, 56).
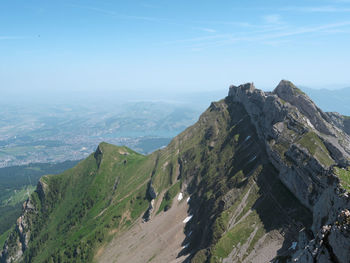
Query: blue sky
point(57, 46)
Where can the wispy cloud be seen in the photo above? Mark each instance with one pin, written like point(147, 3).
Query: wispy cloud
point(273, 30)
point(272, 19)
point(277, 37)
point(241, 24)
point(205, 29)
point(276, 43)
point(115, 14)
point(147, 5)
point(317, 9)
point(197, 39)
point(313, 29)
point(12, 37)
point(341, 1)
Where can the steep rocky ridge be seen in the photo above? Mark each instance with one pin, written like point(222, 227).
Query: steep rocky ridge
point(265, 172)
point(342, 122)
point(304, 146)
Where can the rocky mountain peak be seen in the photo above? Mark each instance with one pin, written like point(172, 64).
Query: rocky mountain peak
point(288, 92)
point(246, 87)
point(287, 89)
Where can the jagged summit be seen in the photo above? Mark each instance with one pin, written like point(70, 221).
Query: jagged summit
point(247, 86)
point(289, 105)
point(286, 87)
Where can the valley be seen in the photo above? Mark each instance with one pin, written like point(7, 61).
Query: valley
point(52, 134)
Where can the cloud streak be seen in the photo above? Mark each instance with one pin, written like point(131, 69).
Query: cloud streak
point(279, 36)
point(317, 9)
point(272, 19)
point(205, 29)
point(272, 30)
point(12, 37)
point(117, 15)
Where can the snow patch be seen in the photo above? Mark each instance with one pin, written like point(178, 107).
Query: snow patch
point(185, 246)
point(252, 159)
point(246, 139)
point(240, 121)
point(309, 123)
point(187, 219)
point(180, 196)
point(188, 199)
point(294, 245)
point(189, 234)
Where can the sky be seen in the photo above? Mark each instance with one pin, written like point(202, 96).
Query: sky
point(97, 46)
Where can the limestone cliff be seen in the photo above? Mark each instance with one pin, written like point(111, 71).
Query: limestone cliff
point(305, 146)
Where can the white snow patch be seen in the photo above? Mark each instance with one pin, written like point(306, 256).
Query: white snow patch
point(294, 245)
point(252, 159)
point(180, 196)
point(188, 199)
point(239, 121)
point(189, 234)
point(246, 139)
point(309, 123)
point(187, 219)
point(185, 246)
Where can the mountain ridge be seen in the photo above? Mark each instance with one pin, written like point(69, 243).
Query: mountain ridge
point(250, 157)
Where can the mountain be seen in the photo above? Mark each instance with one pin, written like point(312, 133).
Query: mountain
point(262, 176)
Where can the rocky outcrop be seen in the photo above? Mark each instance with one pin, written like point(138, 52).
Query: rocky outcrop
point(18, 240)
point(340, 121)
point(151, 195)
point(304, 144)
point(288, 92)
point(331, 244)
point(98, 156)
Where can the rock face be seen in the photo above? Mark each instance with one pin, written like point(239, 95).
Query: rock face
point(304, 144)
point(342, 122)
point(18, 241)
point(151, 195)
point(98, 156)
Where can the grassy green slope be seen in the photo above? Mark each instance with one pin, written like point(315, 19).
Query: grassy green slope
point(88, 203)
point(16, 184)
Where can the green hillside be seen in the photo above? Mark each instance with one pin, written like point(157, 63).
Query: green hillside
point(16, 184)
